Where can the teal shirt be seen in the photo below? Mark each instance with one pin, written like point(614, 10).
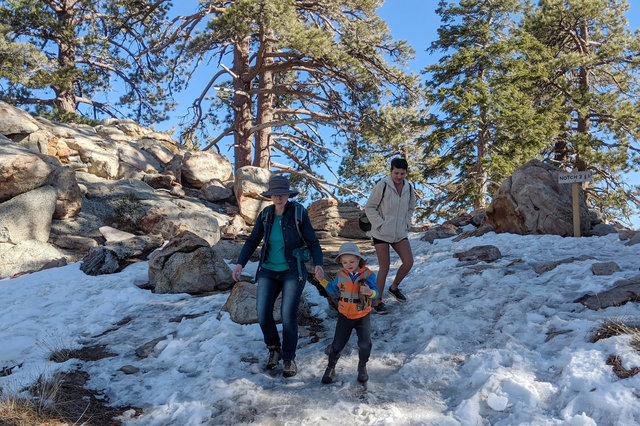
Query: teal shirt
point(275, 260)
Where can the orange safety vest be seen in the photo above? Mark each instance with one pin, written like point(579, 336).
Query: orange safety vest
point(348, 303)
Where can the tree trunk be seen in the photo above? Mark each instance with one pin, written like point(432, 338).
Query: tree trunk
point(242, 105)
point(583, 114)
point(65, 94)
point(482, 176)
point(262, 155)
point(560, 148)
point(482, 151)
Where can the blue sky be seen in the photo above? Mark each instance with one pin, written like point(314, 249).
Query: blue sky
point(412, 20)
point(417, 22)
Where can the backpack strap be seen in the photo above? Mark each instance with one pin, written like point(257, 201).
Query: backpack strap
point(267, 215)
point(299, 208)
point(384, 188)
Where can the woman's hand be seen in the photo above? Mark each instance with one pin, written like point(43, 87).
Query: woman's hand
point(236, 273)
point(319, 272)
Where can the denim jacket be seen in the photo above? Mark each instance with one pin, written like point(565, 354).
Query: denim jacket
point(292, 240)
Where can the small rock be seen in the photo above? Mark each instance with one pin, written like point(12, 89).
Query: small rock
point(606, 268)
point(487, 253)
point(129, 369)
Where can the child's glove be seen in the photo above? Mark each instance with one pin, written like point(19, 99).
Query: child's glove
point(364, 294)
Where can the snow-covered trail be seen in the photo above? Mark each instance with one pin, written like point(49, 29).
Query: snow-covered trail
point(475, 344)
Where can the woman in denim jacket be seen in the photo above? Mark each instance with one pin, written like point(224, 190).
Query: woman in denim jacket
point(279, 269)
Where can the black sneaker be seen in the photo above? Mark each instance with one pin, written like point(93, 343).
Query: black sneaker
point(362, 373)
point(329, 374)
point(289, 369)
point(398, 294)
point(274, 358)
point(380, 308)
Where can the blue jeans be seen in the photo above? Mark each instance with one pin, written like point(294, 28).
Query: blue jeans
point(270, 285)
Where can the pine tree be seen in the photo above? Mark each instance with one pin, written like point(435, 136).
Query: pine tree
point(485, 122)
point(591, 61)
point(302, 74)
point(85, 51)
point(390, 132)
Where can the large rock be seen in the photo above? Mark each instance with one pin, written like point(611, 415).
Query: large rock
point(532, 201)
point(28, 216)
point(163, 151)
point(241, 305)
point(340, 219)
point(185, 242)
point(69, 201)
point(100, 261)
point(160, 180)
point(171, 218)
point(135, 162)
point(102, 188)
point(20, 170)
point(446, 230)
point(215, 190)
point(15, 121)
point(188, 265)
point(100, 157)
point(28, 255)
point(174, 168)
point(200, 167)
point(74, 243)
point(249, 183)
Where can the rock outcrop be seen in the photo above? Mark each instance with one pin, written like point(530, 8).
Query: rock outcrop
point(532, 201)
point(187, 264)
point(339, 219)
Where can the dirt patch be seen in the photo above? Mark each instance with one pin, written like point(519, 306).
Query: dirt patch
point(88, 353)
point(620, 371)
point(75, 404)
point(61, 400)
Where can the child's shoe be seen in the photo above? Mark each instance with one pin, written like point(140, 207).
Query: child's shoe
point(362, 373)
point(381, 308)
point(329, 374)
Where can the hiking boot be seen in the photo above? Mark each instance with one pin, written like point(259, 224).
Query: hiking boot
point(289, 369)
point(362, 373)
point(381, 308)
point(274, 357)
point(398, 294)
point(329, 374)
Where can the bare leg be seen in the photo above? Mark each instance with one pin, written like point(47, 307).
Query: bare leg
point(403, 248)
point(382, 251)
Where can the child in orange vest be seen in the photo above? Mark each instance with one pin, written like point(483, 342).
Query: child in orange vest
point(356, 285)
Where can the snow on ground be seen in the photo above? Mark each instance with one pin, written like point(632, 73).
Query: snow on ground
point(475, 344)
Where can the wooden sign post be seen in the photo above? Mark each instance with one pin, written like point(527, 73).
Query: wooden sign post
point(575, 179)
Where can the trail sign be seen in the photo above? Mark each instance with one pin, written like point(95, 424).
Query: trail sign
point(575, 178)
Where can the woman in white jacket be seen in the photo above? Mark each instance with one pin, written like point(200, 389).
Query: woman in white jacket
point(390, 210)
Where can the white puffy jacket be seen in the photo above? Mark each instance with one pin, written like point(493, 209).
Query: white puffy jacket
point(390, 215)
